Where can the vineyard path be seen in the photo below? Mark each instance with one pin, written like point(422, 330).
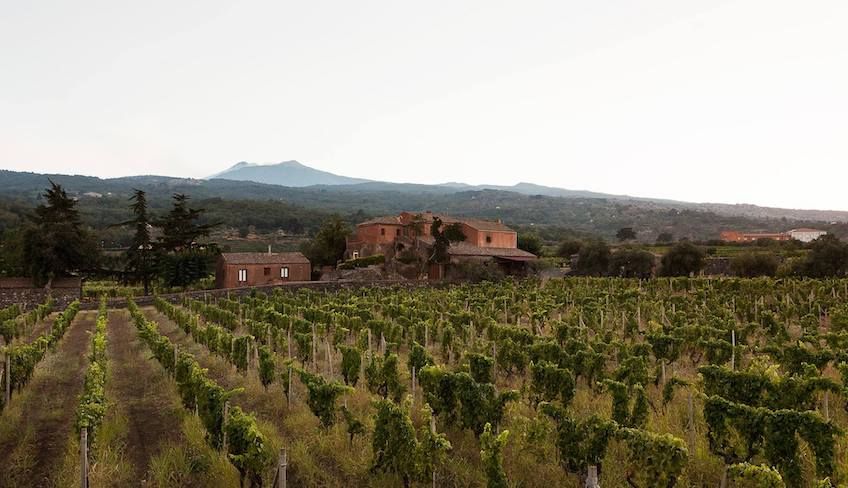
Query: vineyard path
point(47, 412)
point(143, 393)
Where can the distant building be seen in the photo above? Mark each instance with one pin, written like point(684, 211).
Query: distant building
point(806, 235)
point(380, 235)
point(735, 236)
point(241, 269)
point(803, 235)
point(485, 240)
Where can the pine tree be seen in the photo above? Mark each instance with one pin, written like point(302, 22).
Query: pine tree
point(55, 242)
point(140, 255)
point(183, 260)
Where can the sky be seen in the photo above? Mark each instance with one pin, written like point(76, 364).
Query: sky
point(714, 101)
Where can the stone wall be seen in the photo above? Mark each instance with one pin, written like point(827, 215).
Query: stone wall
point(23, 292)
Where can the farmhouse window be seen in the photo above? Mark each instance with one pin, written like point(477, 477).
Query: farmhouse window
point(266, 271)
point(382, 231)
point(397, 232)
point(355, 254)
point(284, 272)
point(242, 275)
point(488, 239)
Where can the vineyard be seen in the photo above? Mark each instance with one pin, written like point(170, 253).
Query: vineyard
point(577, 382)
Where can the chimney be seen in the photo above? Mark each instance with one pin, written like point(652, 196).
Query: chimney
point(269, 249)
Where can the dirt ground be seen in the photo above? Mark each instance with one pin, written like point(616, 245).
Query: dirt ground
point(32, 444)
point(138, 385)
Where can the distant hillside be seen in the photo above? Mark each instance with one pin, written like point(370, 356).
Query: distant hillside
point(288, 173)
point(295, 174)
point(271, 207)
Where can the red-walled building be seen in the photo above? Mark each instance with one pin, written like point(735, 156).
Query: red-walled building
point(382, 234)
point(241, 269)
point(736, 236)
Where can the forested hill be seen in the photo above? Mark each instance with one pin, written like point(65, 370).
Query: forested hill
point(301, 210)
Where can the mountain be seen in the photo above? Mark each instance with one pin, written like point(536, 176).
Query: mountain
point(288, 173)
point(270, 207)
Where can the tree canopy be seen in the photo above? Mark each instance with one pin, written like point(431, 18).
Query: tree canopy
point(55, 242)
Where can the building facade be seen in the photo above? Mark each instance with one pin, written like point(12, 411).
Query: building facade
point(383, 235)
point(806, 235)
point(243, 269)
point(803, 235)
point(736, 236)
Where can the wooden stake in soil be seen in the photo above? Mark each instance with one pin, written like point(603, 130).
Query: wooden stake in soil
point(691, 425)
point(224, 425)
point(291, 393)
point(84, 457)
point(494, 362)
point(8, 374)
point(314, 349)
point(281, 469)
point(733, 351)
point(827, 405)
point(592, 477)
point(288, 342)
point(329, 359)
point(413, 386)
point(433, 431)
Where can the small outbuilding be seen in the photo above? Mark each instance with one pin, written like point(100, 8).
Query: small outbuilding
point(241, 269)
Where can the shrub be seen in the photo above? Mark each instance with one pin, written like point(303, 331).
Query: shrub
point(363, 262)
point(751, 264)
point(683, 259)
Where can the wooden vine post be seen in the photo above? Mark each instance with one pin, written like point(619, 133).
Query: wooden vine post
point(314, 349)
point(288, 341)
point(433, 431)
point(413, 386)
point(691, 426)
point(282, 464)
point(733, 350)
point(7, 372)
point(84, 457)
point(592, 477)
point(494, 362)
point(290, 392)
point(224, 426)
point(176, 355)
point(329, 359)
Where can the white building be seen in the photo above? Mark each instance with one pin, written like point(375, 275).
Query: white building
point(806, 235)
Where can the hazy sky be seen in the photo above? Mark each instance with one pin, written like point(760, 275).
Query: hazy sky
point(728, 101)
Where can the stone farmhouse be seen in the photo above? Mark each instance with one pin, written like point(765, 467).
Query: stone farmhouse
point(485, 241)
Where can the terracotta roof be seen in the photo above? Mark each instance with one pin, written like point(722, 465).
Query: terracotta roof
point(264, 258)
point(487, 225)
point(463, 249)
point(387, 220)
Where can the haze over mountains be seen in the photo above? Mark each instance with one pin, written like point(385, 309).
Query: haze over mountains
point(254, 195)
point(295, 174)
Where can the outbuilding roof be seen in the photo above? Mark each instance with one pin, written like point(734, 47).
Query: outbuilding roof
point(468, 250)
point(805, 229)
point(264, 258)
point(387, 220)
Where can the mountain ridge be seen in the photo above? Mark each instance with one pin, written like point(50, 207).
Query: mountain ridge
point(295, 172)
